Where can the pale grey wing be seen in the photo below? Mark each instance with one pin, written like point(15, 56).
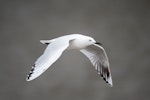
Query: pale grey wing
point(50, 55)
point(98, 58)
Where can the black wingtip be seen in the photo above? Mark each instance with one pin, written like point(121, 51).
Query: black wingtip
point(31, 72)
point(106, 76)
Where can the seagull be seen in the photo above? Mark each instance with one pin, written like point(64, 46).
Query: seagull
point(87, 45)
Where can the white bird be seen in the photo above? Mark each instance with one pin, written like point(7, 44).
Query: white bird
point(85, 44)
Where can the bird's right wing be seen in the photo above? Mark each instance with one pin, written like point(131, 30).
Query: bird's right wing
point(98, 58)
point(50, 55)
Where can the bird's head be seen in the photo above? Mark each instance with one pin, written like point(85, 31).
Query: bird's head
point(91, 41)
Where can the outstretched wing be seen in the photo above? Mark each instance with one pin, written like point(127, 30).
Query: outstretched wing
point(50, 55)
point(98, 58)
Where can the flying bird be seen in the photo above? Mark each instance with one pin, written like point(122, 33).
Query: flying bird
point(87, 45)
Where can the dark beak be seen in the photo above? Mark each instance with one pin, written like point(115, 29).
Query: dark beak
point(98, 43)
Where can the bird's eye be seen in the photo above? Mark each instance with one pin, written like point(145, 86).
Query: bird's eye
point(90, 40)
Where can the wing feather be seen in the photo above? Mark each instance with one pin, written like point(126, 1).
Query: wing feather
point(99, 60)
point(50, 55)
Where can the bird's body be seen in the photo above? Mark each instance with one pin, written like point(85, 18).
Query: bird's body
point(85, 44)
point(74, 41)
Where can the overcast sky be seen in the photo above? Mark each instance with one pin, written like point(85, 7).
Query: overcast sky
point(122, 26)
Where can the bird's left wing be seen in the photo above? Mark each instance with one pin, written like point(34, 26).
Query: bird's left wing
point(98, 58)
point(50, 55)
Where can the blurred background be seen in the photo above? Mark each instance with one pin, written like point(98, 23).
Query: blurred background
point(122, 26)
